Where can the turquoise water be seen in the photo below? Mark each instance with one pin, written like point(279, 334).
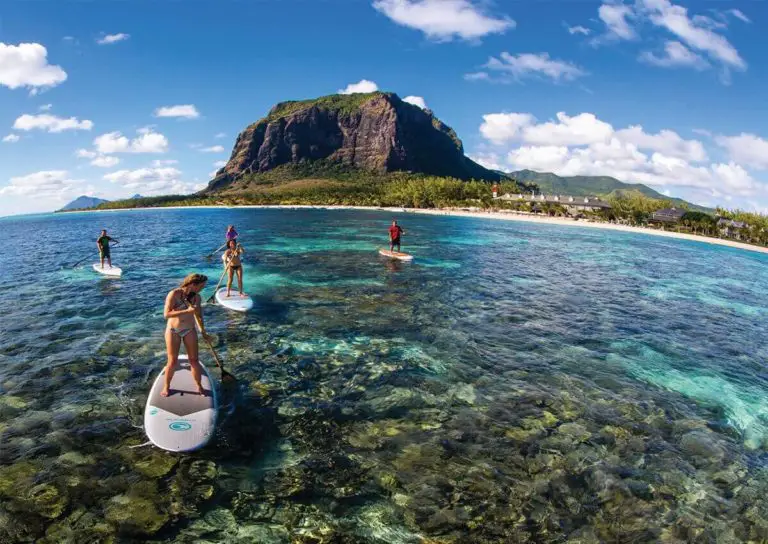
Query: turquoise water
point(514, 383)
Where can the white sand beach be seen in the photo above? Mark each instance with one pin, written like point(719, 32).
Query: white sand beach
point(500, 215)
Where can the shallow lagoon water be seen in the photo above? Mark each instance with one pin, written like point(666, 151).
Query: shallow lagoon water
point(514, 383)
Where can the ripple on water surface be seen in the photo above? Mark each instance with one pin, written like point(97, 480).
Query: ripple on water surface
point(514, 383)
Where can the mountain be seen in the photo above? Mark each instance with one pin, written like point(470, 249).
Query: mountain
point(375, 132)
point(83, 202)
point(592, 186)
point(136, 196)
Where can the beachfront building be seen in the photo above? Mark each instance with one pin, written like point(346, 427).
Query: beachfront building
point(730, 228)
point(668, 215)
point(572, 204)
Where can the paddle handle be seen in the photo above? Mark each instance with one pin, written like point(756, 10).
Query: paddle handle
point(219, 282)
point(215, 251)
point(208, 342)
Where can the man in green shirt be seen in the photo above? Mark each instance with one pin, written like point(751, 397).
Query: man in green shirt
point(103, 244)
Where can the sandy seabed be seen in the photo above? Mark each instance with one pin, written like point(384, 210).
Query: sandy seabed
point(502, 215)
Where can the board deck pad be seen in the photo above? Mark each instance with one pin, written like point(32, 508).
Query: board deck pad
point(235, 301)
point(184, 420)
point(396, 255)
point(108, 270)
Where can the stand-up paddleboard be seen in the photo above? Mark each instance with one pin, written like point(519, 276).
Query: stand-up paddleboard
point(108, 270)
point(184, 420)
point(396, 255)
point(234, 301)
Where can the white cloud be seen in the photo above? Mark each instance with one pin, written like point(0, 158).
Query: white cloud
point(186, 111)
point(220, 135)
point(580, 129)
point(584, 129)
point(147, 142)
point(105, 161)
point(740, 15)
point(85, 154)
point(708, 22)
point(51, 123)
point(45, 107)
point(697, 35)
point(44, 184)
point(220, 164)
point(167, 162)
point(444, 20)
point(477, 76)
point(113, 38)
point(517, 67)
point(26, 65)
point(675, 54)
point(416, 101)
point(502, 127)
point(362, 86)
point(746, 148)
point(615, 17)
point(213, 149)
point(578, 29)
point(11, 139)
point(666, 141)
point(585, 145)
point(153, 181)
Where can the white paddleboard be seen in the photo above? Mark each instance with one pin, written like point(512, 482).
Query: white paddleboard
point(108, 270)
point(396, 255)
point(234, 301)
point(184, 420)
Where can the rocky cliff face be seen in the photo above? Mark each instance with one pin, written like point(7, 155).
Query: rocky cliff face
point(376, 132)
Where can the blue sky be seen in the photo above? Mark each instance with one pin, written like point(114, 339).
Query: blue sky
point(117, 98)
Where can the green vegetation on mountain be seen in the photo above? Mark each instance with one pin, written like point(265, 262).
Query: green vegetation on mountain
point(311, 185)
point(344, 104)
point(603, 186)
point(377, 133)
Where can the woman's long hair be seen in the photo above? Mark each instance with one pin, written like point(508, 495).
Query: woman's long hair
point(193, 279)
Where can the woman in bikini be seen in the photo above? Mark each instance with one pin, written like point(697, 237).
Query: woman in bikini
point(232, 258)
point(183, 308)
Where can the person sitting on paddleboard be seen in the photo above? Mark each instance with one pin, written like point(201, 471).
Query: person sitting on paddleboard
point(102, 242)
point(183, 307)
point(231, 233)
point(234, 265)
point(394, 235)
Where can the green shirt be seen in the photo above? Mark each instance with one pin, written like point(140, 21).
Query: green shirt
point(103, 241)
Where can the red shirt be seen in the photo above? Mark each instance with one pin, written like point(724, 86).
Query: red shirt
point(394, 232)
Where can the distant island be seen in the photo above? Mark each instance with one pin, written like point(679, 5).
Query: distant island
point(374, 149)
point(83, 203)
point(88, 202)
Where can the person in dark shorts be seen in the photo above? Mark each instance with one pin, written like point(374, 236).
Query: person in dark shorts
point(103, 244)
point(395, 231)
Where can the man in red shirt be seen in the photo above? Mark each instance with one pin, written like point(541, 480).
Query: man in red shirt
point(394, 236)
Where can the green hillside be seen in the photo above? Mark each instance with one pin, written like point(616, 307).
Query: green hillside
point(604, 186)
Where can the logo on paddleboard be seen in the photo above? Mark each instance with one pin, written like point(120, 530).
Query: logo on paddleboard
point(153, 411)
point(179, 426)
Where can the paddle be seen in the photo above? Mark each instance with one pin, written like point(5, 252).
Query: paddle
point(215, 251)
point(225, 376)
point(213, 296)
point(88, 257)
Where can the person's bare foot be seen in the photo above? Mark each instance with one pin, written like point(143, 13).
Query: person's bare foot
point(201, 390)
point(165, 393)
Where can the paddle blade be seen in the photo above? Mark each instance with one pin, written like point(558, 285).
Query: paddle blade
point(227, 378)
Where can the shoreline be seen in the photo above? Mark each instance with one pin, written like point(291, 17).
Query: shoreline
point(480, 214)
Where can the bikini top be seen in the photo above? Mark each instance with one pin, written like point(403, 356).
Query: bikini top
point(177, 302)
